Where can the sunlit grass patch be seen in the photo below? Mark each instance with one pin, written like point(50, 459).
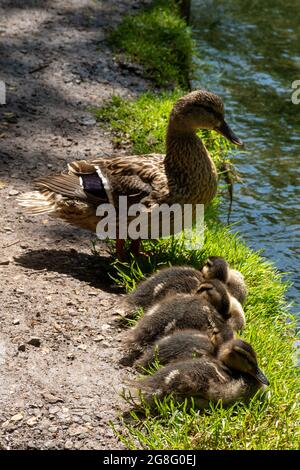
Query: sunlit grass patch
point(159, 40)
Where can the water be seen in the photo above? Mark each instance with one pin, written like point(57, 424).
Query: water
point(250, 55)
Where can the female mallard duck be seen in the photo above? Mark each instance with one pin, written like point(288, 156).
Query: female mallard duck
point(186, 174)
point(232, 376)
point(187, 280)
point(208, 312)
point(180, 345)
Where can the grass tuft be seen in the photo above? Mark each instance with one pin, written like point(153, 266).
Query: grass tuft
point(160, 41)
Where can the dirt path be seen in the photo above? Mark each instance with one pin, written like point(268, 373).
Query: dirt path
point(61, 391)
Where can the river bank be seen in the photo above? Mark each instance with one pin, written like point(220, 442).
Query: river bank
point(269, 424)
point(59, 337)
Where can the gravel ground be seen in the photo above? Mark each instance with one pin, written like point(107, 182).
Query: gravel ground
point(59, 339)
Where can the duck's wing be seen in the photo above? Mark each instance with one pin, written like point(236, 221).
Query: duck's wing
point(104, 180)
point(128, 173)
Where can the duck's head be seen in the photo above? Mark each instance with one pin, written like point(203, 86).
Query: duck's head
point(239, 355)
point(216, 267)
point(201, 110)
point(216, 294)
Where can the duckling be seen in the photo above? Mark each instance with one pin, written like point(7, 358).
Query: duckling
point(207, 311)
point(180, 345)
point(184, 279)
point(167, 281)
point(232, 376)
point(185, 175)
point(217, 267)
point(236, 285)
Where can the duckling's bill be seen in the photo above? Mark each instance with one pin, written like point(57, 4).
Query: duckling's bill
point(261, 377)
point(227, 132)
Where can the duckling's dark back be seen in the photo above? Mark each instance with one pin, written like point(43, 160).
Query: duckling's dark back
point(168, 281)
point(177, 312)
point(205, 379)
point(191, 377)
point(180, 345)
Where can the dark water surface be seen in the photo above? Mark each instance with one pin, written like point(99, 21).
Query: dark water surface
point(250, 55)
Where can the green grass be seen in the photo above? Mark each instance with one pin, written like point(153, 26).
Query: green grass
point(160, 41)
point(272, 422)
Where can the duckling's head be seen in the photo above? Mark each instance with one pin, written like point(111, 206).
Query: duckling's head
point(239, 355)
point(216, 267)
point(216, 294)
point(201, 110)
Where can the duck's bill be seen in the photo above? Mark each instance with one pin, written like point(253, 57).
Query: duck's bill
point(261, 377)
point(225, 130)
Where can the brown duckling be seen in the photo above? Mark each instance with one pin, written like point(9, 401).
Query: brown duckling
point(186, 280)
point(217, 267)
point(208, 311)
point(180, 345)
point(167, 281)
point(232, 376)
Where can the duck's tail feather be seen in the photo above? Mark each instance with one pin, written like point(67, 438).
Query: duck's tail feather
point(36, 202)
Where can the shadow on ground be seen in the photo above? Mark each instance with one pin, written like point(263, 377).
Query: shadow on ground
point(95, 270)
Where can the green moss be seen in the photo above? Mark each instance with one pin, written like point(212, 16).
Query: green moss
point(160, 41)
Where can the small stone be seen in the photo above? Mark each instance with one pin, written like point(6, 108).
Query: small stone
point(88, 121)
point(32, 421)
point(22, 347)
point(35, 341)
point(83, 347)
point(50, 398)
point(77, 430)
point(68, 444)
point(53, 429)
point(16, 321)
point(4, 262)
point(13, 192)
point(71, 356)
point(98, 339)
point(17, 417)
point(105, 327)
point(5, 424)
point(24, 246)
point(54, 409)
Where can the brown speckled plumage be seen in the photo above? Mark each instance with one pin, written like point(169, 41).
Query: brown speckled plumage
point(232, 376)
point(186, 174)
